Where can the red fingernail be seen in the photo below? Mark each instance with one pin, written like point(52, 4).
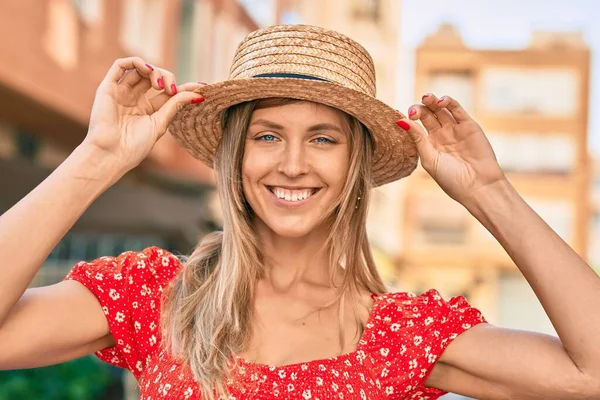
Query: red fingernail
point(204, 83)
point(198, 100)
point(174, 88)
point(403, 125)
point(412, 112)
point(150, 67)
point(441, 100)
point(160, 82)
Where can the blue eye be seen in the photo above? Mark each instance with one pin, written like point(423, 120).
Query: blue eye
point(324, 140)
point(267, 138)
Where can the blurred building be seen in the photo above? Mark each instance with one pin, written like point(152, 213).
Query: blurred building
point(58, 52)
point(533, 106)
point(373, 24)
point(54, 55)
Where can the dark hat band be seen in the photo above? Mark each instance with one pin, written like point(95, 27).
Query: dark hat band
point(284, 75)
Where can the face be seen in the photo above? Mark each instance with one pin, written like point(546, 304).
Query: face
point(295, 164)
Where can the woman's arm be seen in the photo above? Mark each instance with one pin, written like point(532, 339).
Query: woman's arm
point(131, 112)
point(514, 364)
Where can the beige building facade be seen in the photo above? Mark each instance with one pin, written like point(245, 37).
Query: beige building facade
point(533, 105)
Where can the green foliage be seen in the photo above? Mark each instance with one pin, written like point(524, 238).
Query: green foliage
point(82, 379)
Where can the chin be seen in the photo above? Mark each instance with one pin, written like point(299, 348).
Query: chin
point(290, 229)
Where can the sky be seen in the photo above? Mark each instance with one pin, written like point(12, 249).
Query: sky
point(508, 24)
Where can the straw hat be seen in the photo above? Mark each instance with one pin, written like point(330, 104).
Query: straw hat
point(307, 63)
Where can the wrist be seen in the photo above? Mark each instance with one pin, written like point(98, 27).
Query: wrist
point(89, 163)
point(497, 198)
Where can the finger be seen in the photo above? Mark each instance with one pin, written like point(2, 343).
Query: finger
point(154, 80)
point(441, 113)
point(424, 147)
point(453, 106)
point(170, 84)
point(162, 118)
point(161, 98)
point(122, 65)
point(130, 78)
point(428, 118)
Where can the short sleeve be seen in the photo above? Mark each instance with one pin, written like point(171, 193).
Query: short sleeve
point(414, 331)
point(129, 288)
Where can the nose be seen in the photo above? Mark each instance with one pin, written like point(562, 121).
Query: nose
point(293, 162)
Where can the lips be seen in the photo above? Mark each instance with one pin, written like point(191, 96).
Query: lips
point(292, 195)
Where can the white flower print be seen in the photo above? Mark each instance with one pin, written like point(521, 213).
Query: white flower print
point(99, 276)
point(319, 381)
point(389, 390)
point(152, 340)
point(120, 317)
point(307, 394)
point(134, 305)
point(384, 372)
point(428, 321)
point(418, 340)
point(114, 295)
point(290, 387)
point(384, 351)
point(281, 373)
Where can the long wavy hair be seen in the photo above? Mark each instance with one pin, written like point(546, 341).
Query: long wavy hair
point(205, 316)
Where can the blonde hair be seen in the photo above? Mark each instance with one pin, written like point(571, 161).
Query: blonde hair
point(205, 317)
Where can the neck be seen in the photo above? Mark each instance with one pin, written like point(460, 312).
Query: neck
point(294, 264)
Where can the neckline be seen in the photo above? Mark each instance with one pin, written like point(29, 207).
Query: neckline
point(369, 325)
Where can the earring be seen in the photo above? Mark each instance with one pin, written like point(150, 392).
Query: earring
point(357, 201)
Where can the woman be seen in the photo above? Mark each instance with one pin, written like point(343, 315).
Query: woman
point(286, 301)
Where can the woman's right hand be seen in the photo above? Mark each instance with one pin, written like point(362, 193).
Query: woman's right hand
point(132, 109)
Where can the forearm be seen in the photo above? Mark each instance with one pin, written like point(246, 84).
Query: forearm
point(33, 227)
point(568, 289)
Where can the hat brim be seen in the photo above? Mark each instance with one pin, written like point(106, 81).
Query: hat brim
point(197, 127)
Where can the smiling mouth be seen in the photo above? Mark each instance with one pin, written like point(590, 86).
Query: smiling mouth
point(292, 195)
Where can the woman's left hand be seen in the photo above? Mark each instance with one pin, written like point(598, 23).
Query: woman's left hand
point(454, 150)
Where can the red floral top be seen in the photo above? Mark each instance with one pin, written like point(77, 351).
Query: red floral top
point(403, 338)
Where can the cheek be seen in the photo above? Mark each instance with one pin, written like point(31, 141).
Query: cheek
point(254, 167)
point(334, 168)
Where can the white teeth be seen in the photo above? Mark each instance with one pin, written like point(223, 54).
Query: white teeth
point(292, 195)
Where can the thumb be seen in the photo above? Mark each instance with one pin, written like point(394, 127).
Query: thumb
point(163, 116)
point(421, 140)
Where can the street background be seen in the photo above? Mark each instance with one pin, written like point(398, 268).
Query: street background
point(528, 71)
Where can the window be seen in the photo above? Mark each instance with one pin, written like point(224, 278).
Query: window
point(459, 85)
point(366, 9)
point(75, 247)
point(187, 47)
point(89, 10)
point(530, 91)
point(551, 153)
point(440, 220)
point(142, 24)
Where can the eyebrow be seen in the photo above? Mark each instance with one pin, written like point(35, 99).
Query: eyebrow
point(314, 128)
